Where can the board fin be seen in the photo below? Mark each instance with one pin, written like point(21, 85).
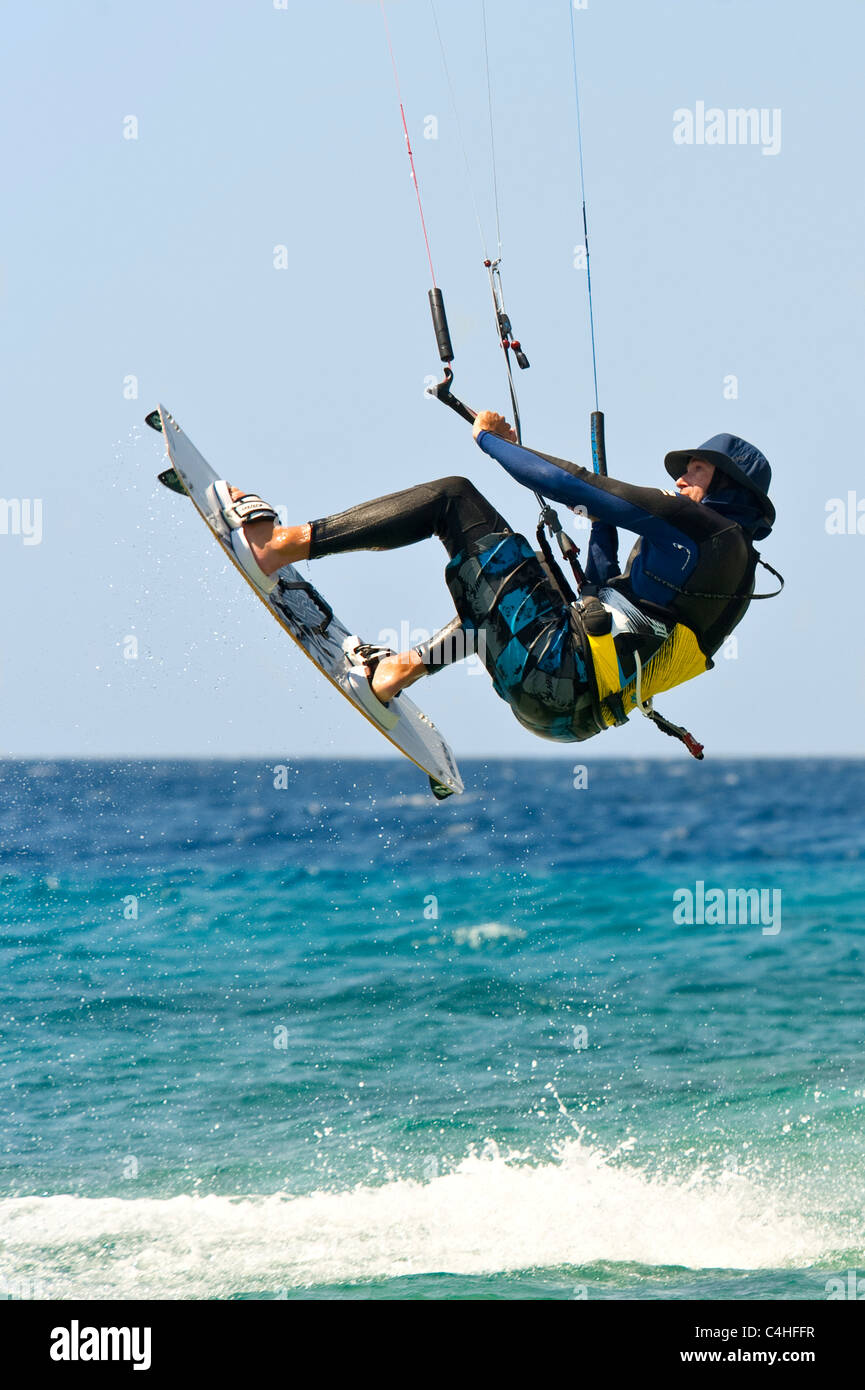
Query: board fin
point(440, 791)
point(170, 480)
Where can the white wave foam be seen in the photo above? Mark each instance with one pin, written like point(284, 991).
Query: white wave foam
point(488, 1215)
point(486, 931)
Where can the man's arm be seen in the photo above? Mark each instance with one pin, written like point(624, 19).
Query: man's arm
point(644, 510)
point(602, 560)
point(664, 518)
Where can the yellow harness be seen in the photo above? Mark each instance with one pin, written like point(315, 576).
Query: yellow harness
point(679, 659)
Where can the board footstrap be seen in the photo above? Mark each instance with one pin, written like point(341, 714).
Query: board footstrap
point(314, 596)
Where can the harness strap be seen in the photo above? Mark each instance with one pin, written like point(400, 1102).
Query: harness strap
point(606, 674)
point(695, 593)
point(553, 566)
point(677, 731)
point(775, 592)
point(666, 726)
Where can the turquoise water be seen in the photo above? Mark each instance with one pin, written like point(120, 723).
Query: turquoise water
point(338, 1040)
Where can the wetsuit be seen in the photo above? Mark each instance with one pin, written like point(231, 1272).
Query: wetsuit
point(690, 571)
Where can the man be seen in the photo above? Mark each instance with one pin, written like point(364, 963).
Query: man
point(567, 671)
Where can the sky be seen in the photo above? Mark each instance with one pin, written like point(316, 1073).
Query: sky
point(210, 205)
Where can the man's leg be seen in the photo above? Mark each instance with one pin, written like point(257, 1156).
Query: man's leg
point(451, 508)
point(447, 646)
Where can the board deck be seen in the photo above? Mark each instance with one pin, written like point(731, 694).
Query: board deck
point(305, 615)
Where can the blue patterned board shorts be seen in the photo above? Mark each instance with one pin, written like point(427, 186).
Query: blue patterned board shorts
point(522, 630)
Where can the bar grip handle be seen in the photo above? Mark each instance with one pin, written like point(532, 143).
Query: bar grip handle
point(599, 446)
point(440, 324)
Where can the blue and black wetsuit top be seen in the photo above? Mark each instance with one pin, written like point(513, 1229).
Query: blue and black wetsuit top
point(693, 563)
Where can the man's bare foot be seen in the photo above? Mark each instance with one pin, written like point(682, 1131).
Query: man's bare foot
point(396, 673)
point(275, 546)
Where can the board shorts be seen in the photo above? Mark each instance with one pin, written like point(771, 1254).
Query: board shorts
point(524, 635)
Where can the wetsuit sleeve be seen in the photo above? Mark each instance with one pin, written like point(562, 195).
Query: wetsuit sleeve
point(602, 559)
point(662, 517)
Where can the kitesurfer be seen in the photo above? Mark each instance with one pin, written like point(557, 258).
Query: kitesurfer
point(567, 671)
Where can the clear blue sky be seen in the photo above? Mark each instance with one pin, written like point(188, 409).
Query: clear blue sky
point(260, 127)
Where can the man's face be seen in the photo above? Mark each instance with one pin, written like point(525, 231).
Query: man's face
point(695, 480)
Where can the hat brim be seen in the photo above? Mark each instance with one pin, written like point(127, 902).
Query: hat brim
point(677, 461)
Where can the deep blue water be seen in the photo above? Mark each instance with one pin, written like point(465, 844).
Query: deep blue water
point(338, 1040)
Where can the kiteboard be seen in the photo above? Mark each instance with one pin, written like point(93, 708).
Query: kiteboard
point(307, 617)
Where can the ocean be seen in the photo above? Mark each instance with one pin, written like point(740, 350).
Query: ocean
point(301, 1032)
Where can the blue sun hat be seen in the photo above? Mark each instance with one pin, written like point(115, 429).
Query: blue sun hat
point(740, 461)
